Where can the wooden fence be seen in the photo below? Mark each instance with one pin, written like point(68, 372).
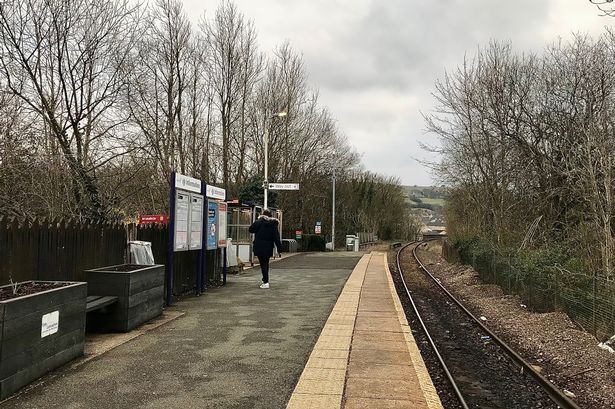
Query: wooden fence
point(57, 249)
point(64, 249)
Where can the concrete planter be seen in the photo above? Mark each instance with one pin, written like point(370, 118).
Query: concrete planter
point(140, 290)
point(40, 332)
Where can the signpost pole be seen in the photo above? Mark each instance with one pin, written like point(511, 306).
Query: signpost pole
point(333, 215)
point(266, 181)
point(169, 260)
point(224, 268)
point(200, 260)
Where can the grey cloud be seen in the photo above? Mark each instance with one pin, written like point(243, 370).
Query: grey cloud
point(397, 43)
point(375, 61)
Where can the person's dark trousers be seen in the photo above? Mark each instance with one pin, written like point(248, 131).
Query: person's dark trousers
point(264, 262)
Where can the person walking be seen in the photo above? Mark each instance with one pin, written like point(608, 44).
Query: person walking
point(266, 234)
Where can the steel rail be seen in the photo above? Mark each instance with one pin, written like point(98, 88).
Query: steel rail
point(429, 339)
point(554, 393)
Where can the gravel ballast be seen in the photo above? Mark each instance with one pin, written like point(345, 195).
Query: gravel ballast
point(559, 348)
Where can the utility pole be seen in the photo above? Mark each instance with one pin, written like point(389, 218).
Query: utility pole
point(333, 214)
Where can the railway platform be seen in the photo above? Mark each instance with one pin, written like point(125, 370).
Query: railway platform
point(329, 333)
point(366, 356)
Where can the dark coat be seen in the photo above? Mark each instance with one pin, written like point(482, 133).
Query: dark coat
point(266, 234)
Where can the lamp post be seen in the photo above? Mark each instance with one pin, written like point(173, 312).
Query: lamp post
point(333, 214)
point(266, 141)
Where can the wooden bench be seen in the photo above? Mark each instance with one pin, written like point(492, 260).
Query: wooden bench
point(97, 302)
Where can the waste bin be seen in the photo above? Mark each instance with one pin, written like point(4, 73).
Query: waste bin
point(141, 253)
point(289, 245)
point(352, 242)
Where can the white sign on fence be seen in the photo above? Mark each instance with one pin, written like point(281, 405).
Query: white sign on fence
point(50, 323)
point(284, 186)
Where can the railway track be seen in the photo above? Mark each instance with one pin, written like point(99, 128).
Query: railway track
point(477, 369)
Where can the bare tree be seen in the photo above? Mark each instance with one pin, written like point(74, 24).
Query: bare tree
point(66, 60)
point(531, 137)
point(159, 80)
point(235, 66)
point(605, 7)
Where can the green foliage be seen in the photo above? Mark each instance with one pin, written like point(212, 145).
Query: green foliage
point(546, 279)
point(534, 260)
point(251, 191)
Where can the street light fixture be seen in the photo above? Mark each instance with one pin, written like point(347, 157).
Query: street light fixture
point(266, 141)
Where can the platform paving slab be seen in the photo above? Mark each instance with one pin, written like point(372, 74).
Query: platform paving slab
point(235, 347)
point(382, 366)
point(330, 390)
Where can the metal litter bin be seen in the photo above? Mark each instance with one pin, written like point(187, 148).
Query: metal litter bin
point(352, 242)
point(289, 245)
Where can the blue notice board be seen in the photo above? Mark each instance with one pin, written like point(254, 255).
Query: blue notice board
point(212, 225)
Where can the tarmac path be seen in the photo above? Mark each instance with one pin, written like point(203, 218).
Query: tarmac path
point(236, 347)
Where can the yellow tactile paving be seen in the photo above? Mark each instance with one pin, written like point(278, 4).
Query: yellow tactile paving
point(323, 379)
point(366, 356)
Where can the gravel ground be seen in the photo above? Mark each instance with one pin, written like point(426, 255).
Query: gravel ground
point(563, 353)
point(487, 378)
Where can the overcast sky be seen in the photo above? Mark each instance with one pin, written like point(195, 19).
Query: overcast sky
point(375, 61)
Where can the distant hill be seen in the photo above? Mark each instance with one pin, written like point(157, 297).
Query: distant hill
point(426, 203)
point(429, 195)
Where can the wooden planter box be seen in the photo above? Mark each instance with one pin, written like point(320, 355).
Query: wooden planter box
point(40, 332)
point(140, 292)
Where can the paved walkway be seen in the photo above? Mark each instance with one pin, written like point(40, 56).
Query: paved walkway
point(366, 356)
point(236, 347)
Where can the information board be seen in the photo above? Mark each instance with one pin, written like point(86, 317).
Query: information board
point(222, 218)
point(196, 222)
point(212, 225)
point(182, 218)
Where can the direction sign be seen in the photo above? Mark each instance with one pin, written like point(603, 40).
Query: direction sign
point(284, 186)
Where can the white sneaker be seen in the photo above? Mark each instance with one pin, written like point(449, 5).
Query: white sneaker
point(265, 285)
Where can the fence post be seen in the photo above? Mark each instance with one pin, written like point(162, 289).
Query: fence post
point(493, 273)
point(509, 275)
point(594, 305)
point(556, 301)
point(531, 287)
